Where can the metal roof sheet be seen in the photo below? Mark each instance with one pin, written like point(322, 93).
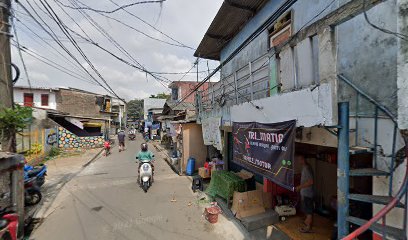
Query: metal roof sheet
point(231, 17)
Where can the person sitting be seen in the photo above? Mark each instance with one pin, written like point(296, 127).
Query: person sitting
point(145, 156)
point(107, 147)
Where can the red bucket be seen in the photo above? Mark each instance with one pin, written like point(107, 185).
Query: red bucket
point(211, 214)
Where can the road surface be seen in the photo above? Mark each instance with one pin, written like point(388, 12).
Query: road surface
point(103, 201)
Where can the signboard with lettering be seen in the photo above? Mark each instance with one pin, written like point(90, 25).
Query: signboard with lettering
point(266, 149)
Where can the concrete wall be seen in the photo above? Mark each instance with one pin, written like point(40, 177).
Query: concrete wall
point(193, 144)
point(368, 57)
point(79, 104)
point(308, 107)
point(402, 81)
point(68, 140)
point(19, 97)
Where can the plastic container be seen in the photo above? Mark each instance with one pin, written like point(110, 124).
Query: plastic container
point(190, 166)
point(211, 214)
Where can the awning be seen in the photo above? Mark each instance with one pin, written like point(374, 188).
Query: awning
point(229, 20)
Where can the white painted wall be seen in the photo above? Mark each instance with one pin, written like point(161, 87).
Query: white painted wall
point(19, 97)
point(309, 108)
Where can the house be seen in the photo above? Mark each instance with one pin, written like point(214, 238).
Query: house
point(75, 118)
point(286, 60)
point(36, 97)
point(180, 90)
point(149, 103)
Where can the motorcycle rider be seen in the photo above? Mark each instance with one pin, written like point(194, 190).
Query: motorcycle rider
point(144, 155)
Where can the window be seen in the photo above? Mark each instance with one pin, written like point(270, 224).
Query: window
point(28, 99)
point(44, 100)
point(281, 30)
point(174, 94)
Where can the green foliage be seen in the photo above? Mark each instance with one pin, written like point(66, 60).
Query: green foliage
point(161, 96)
point(36, 149)
point(135, 109)
point(54, 151)
point(15, 119)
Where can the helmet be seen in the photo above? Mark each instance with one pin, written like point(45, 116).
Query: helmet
point(144, 147)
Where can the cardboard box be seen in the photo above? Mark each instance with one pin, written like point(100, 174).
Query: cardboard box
point(204, 172)
point(247, 204)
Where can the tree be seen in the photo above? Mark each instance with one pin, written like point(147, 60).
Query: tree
point(12, 121)
point(135, 109)
point(161, 96)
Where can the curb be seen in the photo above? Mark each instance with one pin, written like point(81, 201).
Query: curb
point(162, 151)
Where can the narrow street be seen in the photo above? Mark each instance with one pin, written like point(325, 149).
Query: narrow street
point(104, 202)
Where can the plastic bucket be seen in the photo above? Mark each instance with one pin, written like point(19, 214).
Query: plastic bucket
point(211, 214)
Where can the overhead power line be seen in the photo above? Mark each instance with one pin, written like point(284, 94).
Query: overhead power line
point(59, 23)
point(396, 34)
point(153, 27)
point(52, 34)
point(19, 53)
point(116, 9)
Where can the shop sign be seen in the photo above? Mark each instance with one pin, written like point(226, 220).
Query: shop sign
point(266, 149)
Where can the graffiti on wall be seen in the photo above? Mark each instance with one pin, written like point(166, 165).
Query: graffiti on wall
point(69, 140)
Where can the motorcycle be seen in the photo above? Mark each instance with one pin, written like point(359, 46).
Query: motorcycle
point(132, 136)
point(39, 172)
point(145, 178)
point(32, 193)
point(8, 225)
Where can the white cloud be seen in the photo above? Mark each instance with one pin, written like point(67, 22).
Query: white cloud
point(184, 20)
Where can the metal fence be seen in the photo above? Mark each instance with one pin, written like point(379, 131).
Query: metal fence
point(251, 82)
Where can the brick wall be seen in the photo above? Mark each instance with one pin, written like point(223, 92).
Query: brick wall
point(78, 103)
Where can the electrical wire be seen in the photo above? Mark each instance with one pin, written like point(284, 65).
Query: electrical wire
point(58, 53)
point(116, 9)
point(153, 27)
point(20, 54)
point(139, 66)
point(246, 42)
point(396, 34)
point(58, 21)
point(53, 64)
point(52, 34)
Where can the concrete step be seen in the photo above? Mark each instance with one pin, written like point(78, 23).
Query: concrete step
point(360, 150)
point(364, 172)
point(384, 200)
point(396, 233)
point(261, 220)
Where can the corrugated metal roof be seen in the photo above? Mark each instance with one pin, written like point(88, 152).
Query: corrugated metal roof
point(231, 17)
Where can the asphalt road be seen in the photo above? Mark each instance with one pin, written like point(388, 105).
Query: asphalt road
point(104, 202)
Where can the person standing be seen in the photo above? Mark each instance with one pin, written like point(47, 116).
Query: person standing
point(306, 192)
point(121, 139)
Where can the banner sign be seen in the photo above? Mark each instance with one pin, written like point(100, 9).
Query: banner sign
point(266, 149)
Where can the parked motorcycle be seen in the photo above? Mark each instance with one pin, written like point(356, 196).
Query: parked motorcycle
point(32, 193)
point(38, 172)
point(145, 178)
point(8, 224)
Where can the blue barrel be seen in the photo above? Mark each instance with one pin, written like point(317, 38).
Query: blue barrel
point(190, 166)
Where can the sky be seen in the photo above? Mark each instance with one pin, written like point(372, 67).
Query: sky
point(183, 20)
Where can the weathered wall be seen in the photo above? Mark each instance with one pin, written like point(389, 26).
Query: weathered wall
point(193, 144)
point(78, 104)
point(402, 81)
point(368, 57)
point(308, 107)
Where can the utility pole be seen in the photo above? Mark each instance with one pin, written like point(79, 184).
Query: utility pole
point(197, 68)
point(6, 83)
